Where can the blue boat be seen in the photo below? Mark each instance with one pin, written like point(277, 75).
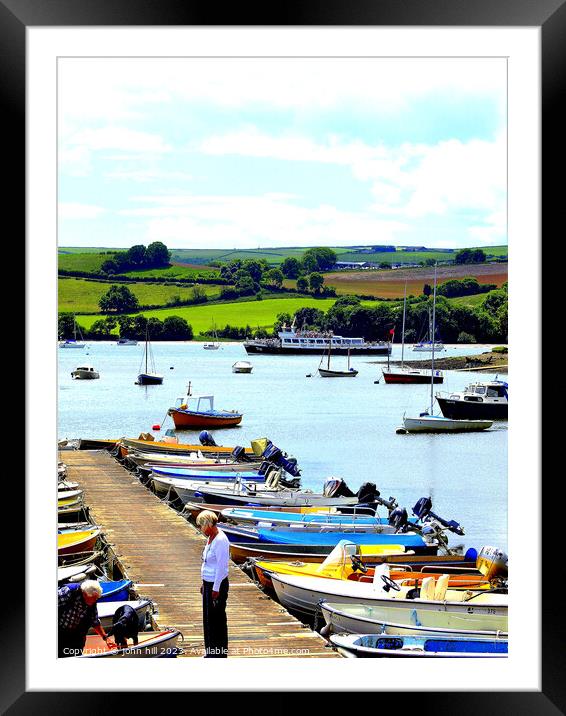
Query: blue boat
point(274, 517)
point(377, 645)
point(298, 536)
point(115, 591)
point(186, 473)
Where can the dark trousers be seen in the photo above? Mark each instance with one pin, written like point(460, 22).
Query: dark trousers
point(214, 623)
point(70, 643)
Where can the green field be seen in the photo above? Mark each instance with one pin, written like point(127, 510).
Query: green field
point(256, 314)
point(77, 295)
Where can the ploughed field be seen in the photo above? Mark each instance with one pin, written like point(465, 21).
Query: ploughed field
point(390, 283)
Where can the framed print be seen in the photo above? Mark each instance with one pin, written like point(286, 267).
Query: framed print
point(279, 200)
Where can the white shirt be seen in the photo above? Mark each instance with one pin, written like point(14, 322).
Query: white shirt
point(215, 558)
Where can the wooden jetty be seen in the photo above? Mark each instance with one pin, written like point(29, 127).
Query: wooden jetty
point(161, 552)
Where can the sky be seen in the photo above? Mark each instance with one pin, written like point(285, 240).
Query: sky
point(255, 152)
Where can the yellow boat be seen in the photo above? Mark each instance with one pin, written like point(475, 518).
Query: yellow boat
point(75, 498)
point(71, 542)
point(344, 562)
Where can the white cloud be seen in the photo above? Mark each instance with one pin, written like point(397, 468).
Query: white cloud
point(147, 175)
point(69, 210)
point(118, 138)
point(256, 221)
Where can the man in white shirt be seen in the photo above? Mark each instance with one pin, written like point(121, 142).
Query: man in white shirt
point(214, 589)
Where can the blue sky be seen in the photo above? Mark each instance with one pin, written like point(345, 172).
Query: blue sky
point(235, 153)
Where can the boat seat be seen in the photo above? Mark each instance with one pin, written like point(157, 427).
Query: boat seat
point(427, 589)
point(441, 587)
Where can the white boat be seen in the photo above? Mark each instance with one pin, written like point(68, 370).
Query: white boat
point(302, 595)
point(342, 617)
point(74, 573)
point(106, 611)
point(427, 422)
point(72, 342)
point(126, 342)
point(381, 645)
point(242, 366)
point(148, 377)
point(291, 342)
point(85, 372)
point(430, 346)
point(439, 424)
point(215, 345)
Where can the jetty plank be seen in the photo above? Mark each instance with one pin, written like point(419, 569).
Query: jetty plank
point(161, 552)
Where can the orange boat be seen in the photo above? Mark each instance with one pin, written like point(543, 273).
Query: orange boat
point(197, 411)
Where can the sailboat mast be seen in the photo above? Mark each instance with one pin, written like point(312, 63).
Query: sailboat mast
point(433, 329)
point(329, 344)
point(146, 348)
point(403, 328)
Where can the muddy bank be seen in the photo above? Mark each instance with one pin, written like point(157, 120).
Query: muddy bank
point(487, 361)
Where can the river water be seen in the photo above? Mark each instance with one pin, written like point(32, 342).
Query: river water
point(334, 427)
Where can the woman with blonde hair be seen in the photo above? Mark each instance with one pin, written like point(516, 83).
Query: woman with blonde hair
point(214, 588)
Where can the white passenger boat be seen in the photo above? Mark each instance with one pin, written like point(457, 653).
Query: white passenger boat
point(291, 342)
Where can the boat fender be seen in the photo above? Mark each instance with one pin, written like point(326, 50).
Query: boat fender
point(157, 426)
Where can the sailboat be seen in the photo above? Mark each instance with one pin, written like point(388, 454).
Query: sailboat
point(427, 421)
point(328, 373)
point(215, 345)
point(431, 344)
point(409, 375)
point(148, 378)
point(72, 343)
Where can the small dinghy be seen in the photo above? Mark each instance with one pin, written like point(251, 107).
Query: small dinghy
point(76, 573)
point(117, 591)
point(375, 645)
point(154, 644)
point(106, 611)
point(76, 541)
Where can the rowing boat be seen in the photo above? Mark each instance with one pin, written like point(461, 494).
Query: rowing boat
point(150, 644)
point(106, 611)
point(116, 591)
point(394, 620)
point(76, 541)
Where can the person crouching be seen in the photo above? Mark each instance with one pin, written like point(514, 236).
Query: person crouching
point(77, 614)
point(214, 589)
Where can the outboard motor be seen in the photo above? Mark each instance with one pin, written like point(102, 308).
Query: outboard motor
point(277, 457)
point(238, 453)
point(424, 512)
point(367, 493)
point(336, 487)
point(206, 439)
point(399, 519)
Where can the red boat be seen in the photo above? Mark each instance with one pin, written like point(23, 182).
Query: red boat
point(202, 415)
point(412, 375)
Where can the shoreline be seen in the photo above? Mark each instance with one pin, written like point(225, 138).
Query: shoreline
point(482, 361)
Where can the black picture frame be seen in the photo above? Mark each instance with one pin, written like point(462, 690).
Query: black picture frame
point(550, 17)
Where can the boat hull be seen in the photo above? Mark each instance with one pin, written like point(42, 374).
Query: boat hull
point(372, 646)
point(184, 419)
point(325, 373)
point(85, 375)
point(359, 619)
point(470, 410)
point(178, 448)
point(431, 424)
point(320, 350)
point(416, 377)
point(148, 379)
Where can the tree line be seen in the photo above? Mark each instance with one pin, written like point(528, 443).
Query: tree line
point(137, 257)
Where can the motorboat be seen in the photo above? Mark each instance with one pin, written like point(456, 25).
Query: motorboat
point(194, 412)
point(486, 400)
point(379, 645)
point(126, 342)
point(242, 366)
point(85, 372)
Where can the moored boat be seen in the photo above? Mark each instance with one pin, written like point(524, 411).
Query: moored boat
point(150, 644)
point(115, 591)
point(149, 376)
point(377, 645)
point(242, 366)
point(195, 412)
point(291, 342)
point(439, 424)
point(346, 617)
point(486, 400)
point(106, 611)
point(85, 372)
point(76, 541)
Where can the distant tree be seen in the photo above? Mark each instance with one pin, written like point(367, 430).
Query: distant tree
point(198, 294)
point(464, 337)
point(291, 267)
point(385, 265)
point(274, 277)
point(427, 289)
point(66, 325)
point(470, 256)
point(316, 281)
point(429, 262)
point(245, 284)
point(318, 259)
point(347, 301)
point(176, 328)
point(282, 319)
point(494, 301)
point(118, 298)
point(254, 269)
point(302, 284)
point(308, 316)
point(157, 254)
point(137, 255)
